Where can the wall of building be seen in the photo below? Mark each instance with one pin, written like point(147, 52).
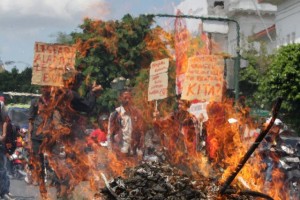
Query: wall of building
point(286, 19)
point(247, 15)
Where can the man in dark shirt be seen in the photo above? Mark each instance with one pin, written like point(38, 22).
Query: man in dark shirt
point(4, 138)
point(179, 130)
point(54, 120)
point(35, 139)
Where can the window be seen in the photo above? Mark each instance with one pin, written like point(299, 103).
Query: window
point(219, 3)
point(288, 39)
point(293, 37)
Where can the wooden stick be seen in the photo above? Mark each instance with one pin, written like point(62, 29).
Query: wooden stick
point(253, 147)
point(108, 187)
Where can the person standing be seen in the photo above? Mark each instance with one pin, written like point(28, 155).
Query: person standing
point(37, 162)
point(180, 129)
point(126, 126)
point(4, 179)
point(56, 121)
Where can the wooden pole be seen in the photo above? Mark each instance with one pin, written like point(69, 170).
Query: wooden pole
point(258, 140)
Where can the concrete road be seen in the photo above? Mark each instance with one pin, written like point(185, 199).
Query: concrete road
point(22, 191)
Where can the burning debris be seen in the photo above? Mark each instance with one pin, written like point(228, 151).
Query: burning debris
point(152, 180)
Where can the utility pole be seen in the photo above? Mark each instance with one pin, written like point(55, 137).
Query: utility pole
point(237, 62)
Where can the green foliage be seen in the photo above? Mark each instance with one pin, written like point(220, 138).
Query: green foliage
point(283, 79)
point(17, 82)
point(271, 76)
point(63, 38)
point(111, 49)
point(108, 100)
point(251, 76)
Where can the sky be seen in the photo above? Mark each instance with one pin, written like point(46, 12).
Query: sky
point(24, 22)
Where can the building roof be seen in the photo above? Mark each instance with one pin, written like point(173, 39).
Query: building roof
point(249, 7)
point(275, 2)
point(264, 32)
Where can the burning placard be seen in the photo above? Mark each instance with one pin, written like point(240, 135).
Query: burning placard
point(199, 109)
point(204, 78)
point(182, 43)
point(50, 63)
point(158, 83)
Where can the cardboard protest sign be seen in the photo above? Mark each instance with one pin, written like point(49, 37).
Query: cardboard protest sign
point(50, 63)
point(204, 78)
point(198, 109)
point(158, 87)
point(159, 66)
point(158, 83)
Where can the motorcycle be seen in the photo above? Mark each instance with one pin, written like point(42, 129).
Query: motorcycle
point(19, 159)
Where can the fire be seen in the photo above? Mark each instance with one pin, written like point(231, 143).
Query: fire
point(64, 143)
point(227, 147)
point(224, 147)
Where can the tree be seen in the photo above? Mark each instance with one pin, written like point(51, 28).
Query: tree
point(251, 76)
point(110, 49)
point(63, 38)
point(283, 80)
point(17, 82)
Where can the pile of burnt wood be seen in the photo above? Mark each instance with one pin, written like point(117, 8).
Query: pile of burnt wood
point(160, 181)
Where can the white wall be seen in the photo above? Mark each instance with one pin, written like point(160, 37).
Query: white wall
point(287, 22)
point(245, 13)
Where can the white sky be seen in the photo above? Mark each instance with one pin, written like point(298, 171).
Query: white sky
point(23, 22)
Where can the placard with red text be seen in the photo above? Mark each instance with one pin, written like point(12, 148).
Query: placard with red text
point(204, 78)
point(50, 63)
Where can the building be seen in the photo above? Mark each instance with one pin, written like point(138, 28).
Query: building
point(252, 17)
point(288, 11)
point(2, 69)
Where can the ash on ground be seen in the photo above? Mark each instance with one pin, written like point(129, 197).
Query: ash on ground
point(161, 181)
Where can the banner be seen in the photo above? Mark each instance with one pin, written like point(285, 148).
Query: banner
point(158, 83)
point(204, 78)
point(50, 63)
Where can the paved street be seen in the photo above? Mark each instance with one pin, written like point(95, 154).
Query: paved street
point(21, 190)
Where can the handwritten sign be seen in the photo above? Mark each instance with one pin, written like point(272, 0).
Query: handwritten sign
point(158, 83)
point(204, 78)
point(50, 63)
point(158, 87)
point(159, 66)
point(198, 109)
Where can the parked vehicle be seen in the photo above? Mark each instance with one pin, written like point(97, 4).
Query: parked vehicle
point(288, 149)
point(19, 159)
point(285, 155)
point(18, 116)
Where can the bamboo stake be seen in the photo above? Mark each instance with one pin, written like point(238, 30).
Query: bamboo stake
point(258, 140)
